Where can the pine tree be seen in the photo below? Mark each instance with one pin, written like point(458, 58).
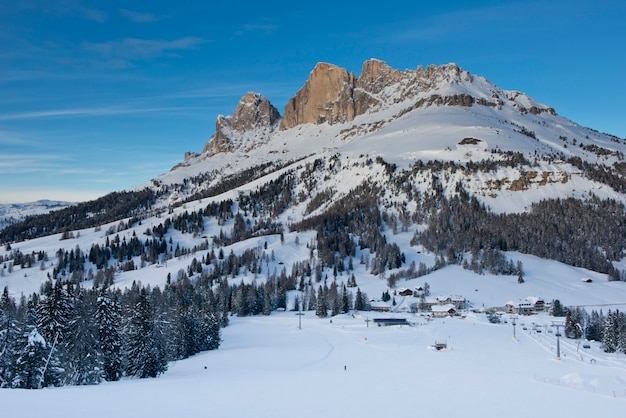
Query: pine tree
point(144, 349)
point(53, 313)
point(610, 335)
point(83, 358)
point(557, 308)
point(595, 327)
point(358, 301)
point(210, 331)
point(574, 323)
point(37, 365)
point(10, 333)
point(109, 321)
point(345, 300)
point(320, 308)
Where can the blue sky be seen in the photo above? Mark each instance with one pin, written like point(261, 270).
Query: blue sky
point(98, 96)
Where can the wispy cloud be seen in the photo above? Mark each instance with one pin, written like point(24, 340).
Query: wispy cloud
point(128, 50)
point(139, 17)
point(63, 8)
point(16, 163)
point(86, 112)
point(257, 27)
point(465, 22)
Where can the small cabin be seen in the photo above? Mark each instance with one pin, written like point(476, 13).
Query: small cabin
point(405, 292)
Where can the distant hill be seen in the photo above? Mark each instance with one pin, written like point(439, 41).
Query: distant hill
point(15, 212)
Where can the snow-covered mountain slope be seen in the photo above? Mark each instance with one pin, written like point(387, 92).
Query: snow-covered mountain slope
point(441, 113)
point(413, 141)
point(16, 212)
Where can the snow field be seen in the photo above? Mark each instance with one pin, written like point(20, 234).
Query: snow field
point(266, 367)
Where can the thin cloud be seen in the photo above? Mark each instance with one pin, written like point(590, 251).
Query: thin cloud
point(467, 21)
point(135, 49)
point(138, 17)
point(63, 8)
point(31, 163)
point(257, 27)
point(85, 112)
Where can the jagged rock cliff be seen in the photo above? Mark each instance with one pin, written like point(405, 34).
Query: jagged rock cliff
point(253, 111)
point(333, 95)
point(325, 97)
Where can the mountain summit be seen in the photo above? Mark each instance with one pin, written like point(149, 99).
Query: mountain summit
point(332, 95)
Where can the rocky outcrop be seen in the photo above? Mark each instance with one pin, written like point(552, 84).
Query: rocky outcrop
point(333, 95)
point(325, 97)
point(375, 76)
point(253, 111)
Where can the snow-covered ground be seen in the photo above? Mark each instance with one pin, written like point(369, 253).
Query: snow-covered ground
point(13, 213)
point(266, 367)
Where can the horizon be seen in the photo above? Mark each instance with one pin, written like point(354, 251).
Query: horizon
point(104, 96)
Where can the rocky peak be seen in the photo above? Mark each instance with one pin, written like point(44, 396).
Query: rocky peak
point(333, 95)
point(325, 97)
point(253, 111)
point(376, 75)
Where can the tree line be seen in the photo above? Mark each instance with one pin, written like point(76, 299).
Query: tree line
point(609, 328)
point(69, 335)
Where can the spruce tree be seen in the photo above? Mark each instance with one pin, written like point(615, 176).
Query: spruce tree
point(144, 349)
point(53, 313)
point(37, 365)
point(320, 308)
point(10, 333)
point(210, 331)
point(610, 335)
point(83, 358)
point(108, 322)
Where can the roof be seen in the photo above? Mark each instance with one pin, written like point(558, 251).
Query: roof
point(443, 308)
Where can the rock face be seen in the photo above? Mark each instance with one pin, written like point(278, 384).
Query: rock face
point(333, 95)
point(253, 111)
point(375, 76)
point(325, 97)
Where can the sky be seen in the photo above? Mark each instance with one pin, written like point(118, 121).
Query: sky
point(100, 96)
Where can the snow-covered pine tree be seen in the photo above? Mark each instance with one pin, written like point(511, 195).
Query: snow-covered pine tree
point(53, 313)
point(144, 347)
point(109, 322)
point(320, 307)
point(83, 365)
point(210, 330)
point(37, 365)
point(358, 301)
point(10, 333)
point(610, 336)
point(595, 326)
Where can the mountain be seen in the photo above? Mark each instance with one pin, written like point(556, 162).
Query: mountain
point(16, 212)
point(441, 113)
point(374, 192)
point(468, 167)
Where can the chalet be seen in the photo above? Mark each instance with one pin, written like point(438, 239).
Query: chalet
point(511, 307)
point(525, 308)
point(405, 292)
point(442, 311)
point(528, 306)
point(380, 306)
point(457, 301)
